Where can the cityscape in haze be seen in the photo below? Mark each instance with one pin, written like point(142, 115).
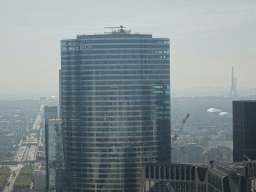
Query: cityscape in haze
point(128, 96)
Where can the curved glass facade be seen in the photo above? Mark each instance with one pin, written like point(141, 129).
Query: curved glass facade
point(115, 102)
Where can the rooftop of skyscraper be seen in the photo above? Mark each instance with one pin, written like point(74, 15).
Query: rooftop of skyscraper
point(117, 31)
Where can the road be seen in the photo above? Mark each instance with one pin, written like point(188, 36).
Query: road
point(11, 180)
point(24, 158)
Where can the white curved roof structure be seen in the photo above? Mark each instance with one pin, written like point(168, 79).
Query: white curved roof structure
point(214, 110)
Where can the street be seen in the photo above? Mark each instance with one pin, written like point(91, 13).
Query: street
point(12, 179)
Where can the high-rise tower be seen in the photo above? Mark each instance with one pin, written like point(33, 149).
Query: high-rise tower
point(115, 108)
point(244, 126)
point(55, 166)
point(233, 85)
point(50, 112)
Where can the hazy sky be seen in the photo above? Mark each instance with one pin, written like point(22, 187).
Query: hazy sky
point(207, 37)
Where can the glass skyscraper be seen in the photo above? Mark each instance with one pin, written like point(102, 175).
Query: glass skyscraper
point(55, 165)
point(244, 126)
point(115, 108)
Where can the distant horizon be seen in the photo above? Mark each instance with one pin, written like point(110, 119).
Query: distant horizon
point(194, 87)
point(190, 92)
point(207, 38)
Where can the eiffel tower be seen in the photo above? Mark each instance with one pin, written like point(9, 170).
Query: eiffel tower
point(233, 85)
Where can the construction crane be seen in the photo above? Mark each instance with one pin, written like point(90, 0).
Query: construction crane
point(183, 123)
point(248, 159)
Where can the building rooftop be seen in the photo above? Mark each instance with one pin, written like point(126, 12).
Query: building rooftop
point(246, 101)
point(115, 32)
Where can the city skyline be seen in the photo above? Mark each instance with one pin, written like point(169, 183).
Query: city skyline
point(206, 38)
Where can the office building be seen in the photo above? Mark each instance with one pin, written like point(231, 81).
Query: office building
point(115, 103)
point(50, 112)
point(59, 115)
point(189, 153)
point(196, 178)
point(39, 176)
point(244, 130)
point(55, 165)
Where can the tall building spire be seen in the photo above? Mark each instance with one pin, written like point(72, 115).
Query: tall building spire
point(233, 85)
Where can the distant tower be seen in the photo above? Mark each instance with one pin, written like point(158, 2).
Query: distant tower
point(233, 85)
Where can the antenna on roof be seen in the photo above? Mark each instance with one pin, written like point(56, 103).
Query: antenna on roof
point(119, 30)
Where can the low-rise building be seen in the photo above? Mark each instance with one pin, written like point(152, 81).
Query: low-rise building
point(197, 178)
